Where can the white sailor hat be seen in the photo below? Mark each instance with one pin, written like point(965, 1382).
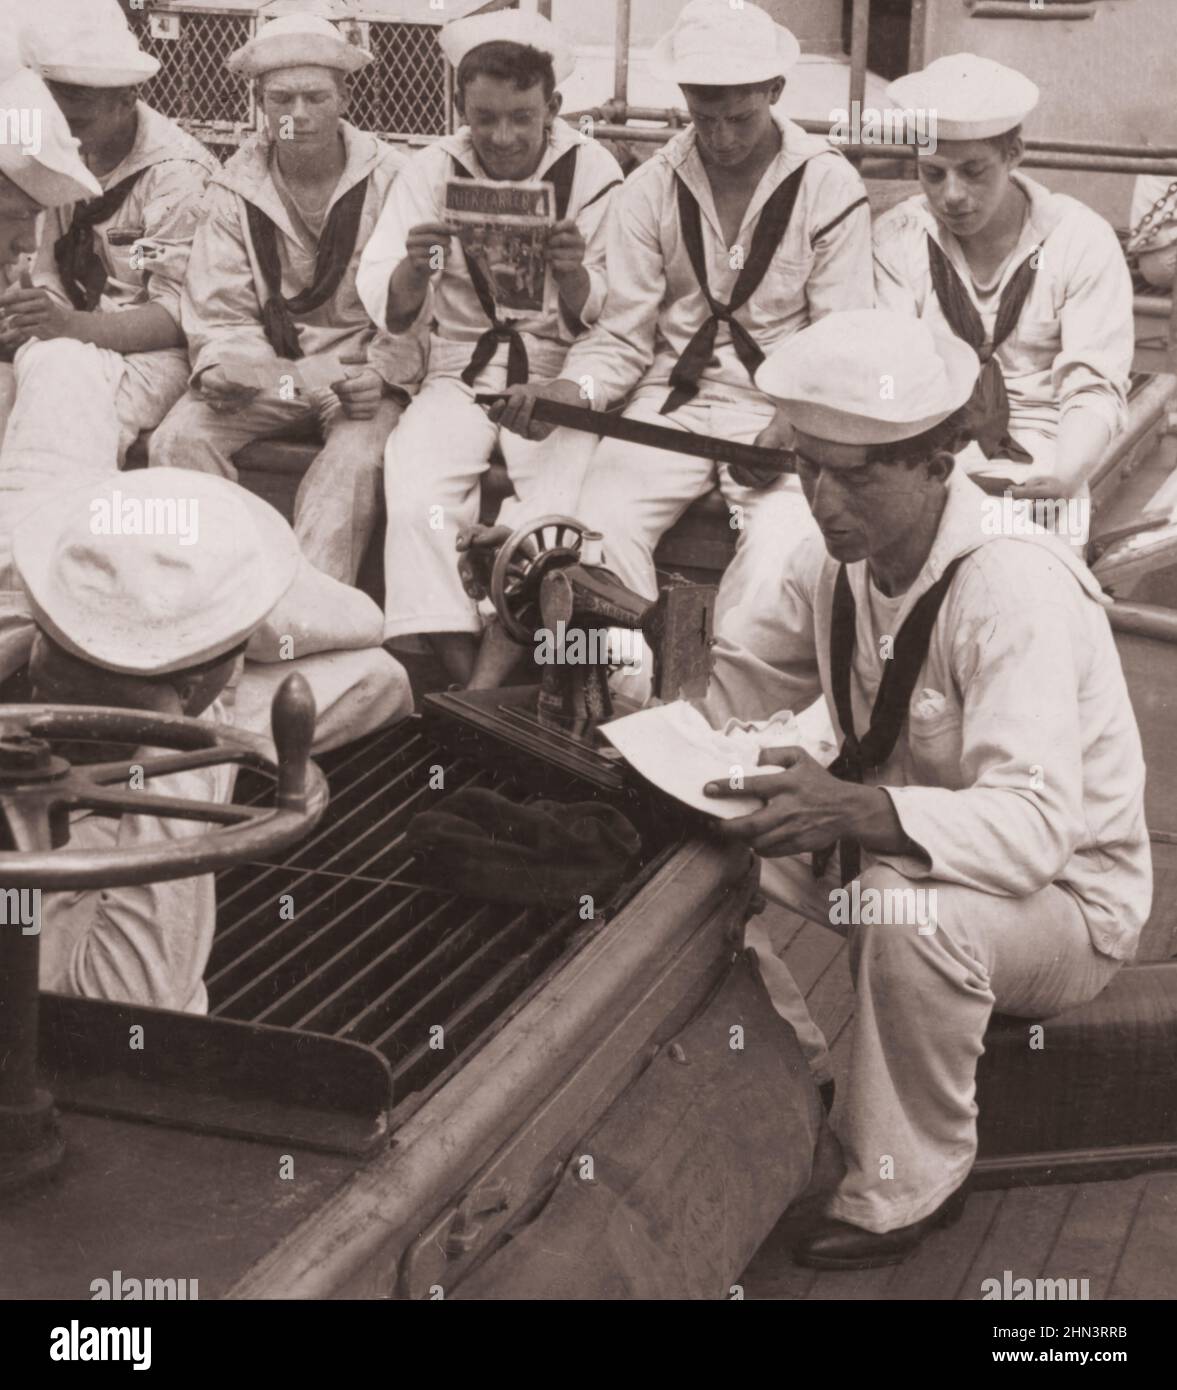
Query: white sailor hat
point(99, 53)
point(717, 44)
point(869, 376)
point(154, 570)
point(507, 26)
point(49, 169)
point(295, 41)
point(971, 98)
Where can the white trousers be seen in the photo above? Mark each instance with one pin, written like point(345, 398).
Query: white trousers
point(337, 505)
point(142, 386)
point(907, 1115)
point(634, 494)
point(433, 464)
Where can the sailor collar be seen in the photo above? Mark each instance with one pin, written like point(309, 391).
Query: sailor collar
point(157, 140)
point(248, 174)
point(962, 530)
point(1045, 213)
point(561, 138)
point(797, 148)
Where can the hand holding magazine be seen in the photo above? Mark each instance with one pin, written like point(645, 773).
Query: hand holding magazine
point(503, 228)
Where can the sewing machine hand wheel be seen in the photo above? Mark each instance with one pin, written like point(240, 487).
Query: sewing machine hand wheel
point(39, 790)
point(552, 542)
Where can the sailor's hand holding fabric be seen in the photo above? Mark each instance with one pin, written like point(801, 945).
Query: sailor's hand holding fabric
point(807, 809)
point(991, 843)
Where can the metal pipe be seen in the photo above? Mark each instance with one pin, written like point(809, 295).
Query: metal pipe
point(1091, 155)
point(621, 54)
point(859, 40)
point(918, 35)
point(1096, 164)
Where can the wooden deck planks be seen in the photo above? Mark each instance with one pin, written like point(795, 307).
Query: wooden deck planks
point(1021, 1237)
point(1148, 1266)
point(1091, 1243)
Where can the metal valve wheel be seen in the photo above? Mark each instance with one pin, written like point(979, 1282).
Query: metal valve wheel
point(39, 790)
point(552, 542)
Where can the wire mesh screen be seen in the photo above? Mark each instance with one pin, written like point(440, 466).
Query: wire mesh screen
point(404, 91)
point(193, 86)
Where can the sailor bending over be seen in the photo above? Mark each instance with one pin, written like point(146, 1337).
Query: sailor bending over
point(159, 623)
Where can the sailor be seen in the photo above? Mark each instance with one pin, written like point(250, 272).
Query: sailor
point(131, 618)
point(990, 759)
point(733, 236)
point(108, 270)
point(508, 67)
point(41, 174)
point(1035, 281)
point(278, 337)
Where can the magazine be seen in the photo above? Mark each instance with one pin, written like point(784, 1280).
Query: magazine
point(503, 228)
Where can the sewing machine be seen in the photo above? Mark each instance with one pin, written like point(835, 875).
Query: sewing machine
point(555, 595)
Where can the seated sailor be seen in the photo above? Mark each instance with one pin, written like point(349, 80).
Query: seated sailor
point(108, 269)
point(414, 272)
point(155, 622)
point(733, 236)
point(32, 178)
point(988, 800)
point(270, 298)
point(1034, 281)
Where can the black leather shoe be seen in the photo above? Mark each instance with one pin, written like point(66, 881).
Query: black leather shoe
point(839, 1245)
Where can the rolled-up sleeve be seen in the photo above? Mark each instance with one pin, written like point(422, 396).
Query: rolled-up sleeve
point(219, 308)
point(1098, 335)
point(1014, 825)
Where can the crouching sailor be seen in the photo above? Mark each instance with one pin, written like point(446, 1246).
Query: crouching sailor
point(989, 757)
point(154, 619)
point(271, 292)
point(108, 270)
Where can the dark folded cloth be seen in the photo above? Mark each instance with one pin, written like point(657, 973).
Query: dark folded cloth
point(545, 854)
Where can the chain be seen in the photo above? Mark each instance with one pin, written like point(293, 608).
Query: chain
point(1145, 233)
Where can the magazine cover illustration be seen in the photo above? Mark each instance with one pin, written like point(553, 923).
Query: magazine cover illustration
point(503, 228)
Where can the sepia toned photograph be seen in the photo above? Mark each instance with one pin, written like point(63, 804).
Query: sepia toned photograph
point(588, 671)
